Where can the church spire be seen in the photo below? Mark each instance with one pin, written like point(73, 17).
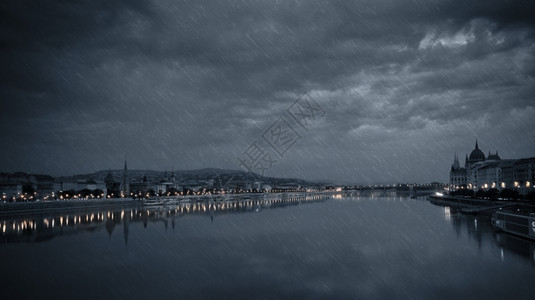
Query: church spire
point(125, 184)
point(477, 147)
point(456, 161)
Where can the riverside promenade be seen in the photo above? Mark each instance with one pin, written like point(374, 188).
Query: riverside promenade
point(21, 208)
point(478, 206)
point(25, 208)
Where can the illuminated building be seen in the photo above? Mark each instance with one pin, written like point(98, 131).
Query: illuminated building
point(480, 172)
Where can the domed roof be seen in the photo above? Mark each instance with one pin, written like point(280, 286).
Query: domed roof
point(476, 154)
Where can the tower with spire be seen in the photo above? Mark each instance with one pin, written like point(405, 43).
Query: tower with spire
point(173, 177)
point(125, 184)
point(455, 161)
point(457, 174)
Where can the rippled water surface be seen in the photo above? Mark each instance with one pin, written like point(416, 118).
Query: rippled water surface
point(345, 246)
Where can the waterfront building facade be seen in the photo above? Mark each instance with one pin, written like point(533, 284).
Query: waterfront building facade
point(10, 190)
point(492, 172)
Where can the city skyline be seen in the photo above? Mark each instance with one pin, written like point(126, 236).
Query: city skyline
point(402, 86)
point(458, 162)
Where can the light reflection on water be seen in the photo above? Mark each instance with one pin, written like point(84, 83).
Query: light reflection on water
point(35, 228)
point(478, 228)
point(346, 245)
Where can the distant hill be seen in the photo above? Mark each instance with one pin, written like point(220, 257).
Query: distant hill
point(221, 176)
point(134, 174)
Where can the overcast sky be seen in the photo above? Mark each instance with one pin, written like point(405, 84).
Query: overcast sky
point(192, 84)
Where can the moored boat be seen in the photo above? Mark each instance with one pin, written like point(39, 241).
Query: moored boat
point(515, 222)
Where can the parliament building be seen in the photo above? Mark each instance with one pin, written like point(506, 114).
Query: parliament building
point(491, 171)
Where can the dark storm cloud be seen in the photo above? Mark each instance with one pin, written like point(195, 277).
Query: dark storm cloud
point(191, 84)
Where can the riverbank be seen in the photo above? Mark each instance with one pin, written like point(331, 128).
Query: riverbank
point(471, 206)
point(14, 208)
point(23, 208)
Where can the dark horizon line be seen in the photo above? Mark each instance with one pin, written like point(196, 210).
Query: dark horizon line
point(343, 182)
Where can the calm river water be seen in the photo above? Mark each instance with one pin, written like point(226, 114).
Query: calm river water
point(366, 246)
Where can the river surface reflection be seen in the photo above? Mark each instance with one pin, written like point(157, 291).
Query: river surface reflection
point(352, 245)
